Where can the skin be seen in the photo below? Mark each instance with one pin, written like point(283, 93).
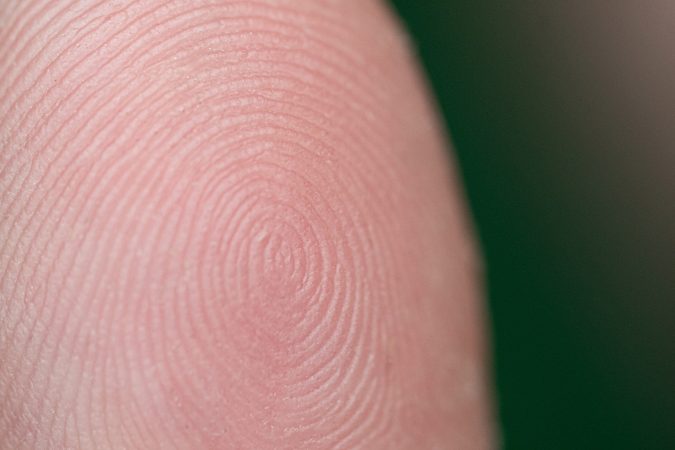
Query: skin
point(229, 224)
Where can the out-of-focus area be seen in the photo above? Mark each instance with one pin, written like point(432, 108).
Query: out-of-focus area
point(562, 114)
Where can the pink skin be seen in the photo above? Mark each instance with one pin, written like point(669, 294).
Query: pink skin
point(229, 224)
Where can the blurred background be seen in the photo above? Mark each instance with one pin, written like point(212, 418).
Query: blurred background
point(562, 115)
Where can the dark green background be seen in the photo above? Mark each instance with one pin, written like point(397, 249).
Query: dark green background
point(566, 168)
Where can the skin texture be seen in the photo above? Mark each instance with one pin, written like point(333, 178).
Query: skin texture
point(229, 224)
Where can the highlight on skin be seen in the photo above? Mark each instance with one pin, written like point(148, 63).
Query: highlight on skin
point(229, 224)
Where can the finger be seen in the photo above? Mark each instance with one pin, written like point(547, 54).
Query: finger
point(228, 224)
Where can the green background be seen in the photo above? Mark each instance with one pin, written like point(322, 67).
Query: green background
point(574, 216)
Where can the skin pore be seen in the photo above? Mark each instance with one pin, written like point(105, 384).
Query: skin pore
point(229, 225)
